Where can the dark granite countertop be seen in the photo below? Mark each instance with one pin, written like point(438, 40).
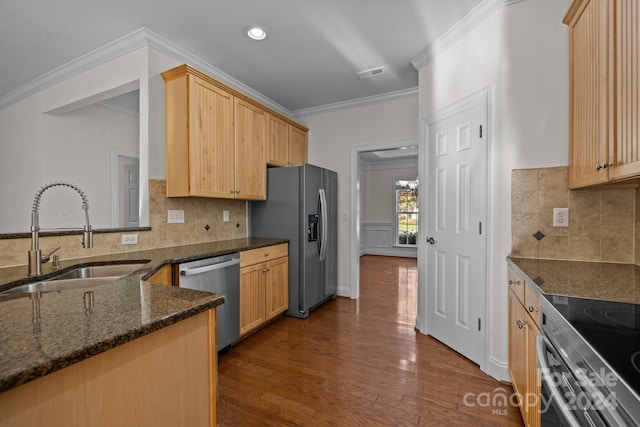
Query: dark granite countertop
point(40, 336)
point(597, 280)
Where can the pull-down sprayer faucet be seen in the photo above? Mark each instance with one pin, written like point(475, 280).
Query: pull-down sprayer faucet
point(35, 254)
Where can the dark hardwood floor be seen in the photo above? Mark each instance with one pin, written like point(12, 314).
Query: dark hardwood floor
point(358, 363)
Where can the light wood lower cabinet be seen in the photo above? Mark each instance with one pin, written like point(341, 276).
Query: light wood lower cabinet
point(264, 286)
point(166, 378)
point(523, 334)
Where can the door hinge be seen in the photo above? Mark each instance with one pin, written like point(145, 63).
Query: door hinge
point(480, 131)
point(480, 227)
point(479, 323)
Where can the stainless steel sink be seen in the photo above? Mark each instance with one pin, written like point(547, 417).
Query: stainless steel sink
point(97, 272)
point(78, 278)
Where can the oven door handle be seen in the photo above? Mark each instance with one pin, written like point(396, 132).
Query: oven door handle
point(542, 344)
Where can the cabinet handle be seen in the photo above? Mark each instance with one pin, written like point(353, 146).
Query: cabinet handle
point(269, 269)
point(520, 324)
point(532, 309)
point(264, 270)
point(267, 254)
point(511, 282)
point(603, 165)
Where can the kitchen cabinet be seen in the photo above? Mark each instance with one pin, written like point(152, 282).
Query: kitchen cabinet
point(250, 151)
point(287, 144)
point(215, 140)
point(264, 285)
point(523, 330)
point(297, 146)
point(604, 91)
point(168, 377)
point(164, 276)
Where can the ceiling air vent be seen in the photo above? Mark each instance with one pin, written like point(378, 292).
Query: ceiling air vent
point(372, 72)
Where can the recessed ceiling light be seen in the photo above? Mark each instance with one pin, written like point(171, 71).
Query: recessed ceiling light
point(372, 72)
point(256, 33)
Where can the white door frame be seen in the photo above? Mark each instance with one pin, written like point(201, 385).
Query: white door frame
point(481, 97)
point(354, 256)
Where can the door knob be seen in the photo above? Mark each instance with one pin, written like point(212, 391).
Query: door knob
point(431, 240)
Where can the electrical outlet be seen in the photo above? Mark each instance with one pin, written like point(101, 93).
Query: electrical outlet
point(225, 216)
point(560, 217)
point(175, 217)
point(129, 239)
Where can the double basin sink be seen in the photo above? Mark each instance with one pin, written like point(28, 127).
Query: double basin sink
point(78, 278)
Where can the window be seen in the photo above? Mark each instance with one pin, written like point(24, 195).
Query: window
point(406, 195)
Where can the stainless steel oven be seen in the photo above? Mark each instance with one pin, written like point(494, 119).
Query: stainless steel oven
point(589, 354)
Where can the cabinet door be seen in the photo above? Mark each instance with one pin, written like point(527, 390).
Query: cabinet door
point(533, 377)
point(517, 347)
point(211, 152)
point(250, 159)
point(252, 313)
point(277, 287)
point(589, 94)
point(625, 153)
point(277, 141)
point(297, 146)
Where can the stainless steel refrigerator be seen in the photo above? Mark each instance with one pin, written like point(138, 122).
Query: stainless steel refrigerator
point(301, 206)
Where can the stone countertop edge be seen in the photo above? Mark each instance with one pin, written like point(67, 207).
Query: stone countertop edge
point(154, 260)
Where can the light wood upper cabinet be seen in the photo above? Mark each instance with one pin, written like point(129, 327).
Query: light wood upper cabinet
point(250, 147)
point(219, 141)
point(604, 91)
point(199, 137)
point(277, 141)
point(287, 143)
point(297, 146)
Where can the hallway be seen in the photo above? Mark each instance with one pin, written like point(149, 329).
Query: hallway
point(358, 363)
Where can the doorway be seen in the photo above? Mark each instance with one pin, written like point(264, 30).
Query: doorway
point(397, 154)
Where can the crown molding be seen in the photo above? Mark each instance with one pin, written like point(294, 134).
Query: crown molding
point(356, 102)
point(463, 27)
point(140, 38)
point(114, 49)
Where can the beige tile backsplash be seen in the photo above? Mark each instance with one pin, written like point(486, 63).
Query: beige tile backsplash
point(603, 223)
point(198, 213)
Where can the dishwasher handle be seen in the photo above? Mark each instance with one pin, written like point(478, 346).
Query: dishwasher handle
point(210, 267)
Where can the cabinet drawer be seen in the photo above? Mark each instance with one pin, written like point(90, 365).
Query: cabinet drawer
point(267, 253)
point(516, 284)
point(532, 303)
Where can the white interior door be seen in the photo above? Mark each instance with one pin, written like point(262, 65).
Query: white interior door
point(456, 217)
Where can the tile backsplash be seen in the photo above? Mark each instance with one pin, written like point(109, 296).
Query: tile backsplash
point(198, 213)
point(603, 225)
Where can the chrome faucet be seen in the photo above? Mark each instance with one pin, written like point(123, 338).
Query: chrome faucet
point(35, 254)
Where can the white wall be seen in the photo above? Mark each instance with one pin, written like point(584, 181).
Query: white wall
point(377, 218)
point(521, 53)
point(33, 136)
point(332, 134)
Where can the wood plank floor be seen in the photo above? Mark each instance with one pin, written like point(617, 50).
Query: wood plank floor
point(357, 363)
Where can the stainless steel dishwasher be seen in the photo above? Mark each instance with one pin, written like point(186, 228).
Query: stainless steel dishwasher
point(219, 275)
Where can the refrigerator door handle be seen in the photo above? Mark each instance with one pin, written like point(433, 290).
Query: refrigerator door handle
point(323, 224)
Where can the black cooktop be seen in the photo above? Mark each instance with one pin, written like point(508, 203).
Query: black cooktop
point(611, 328)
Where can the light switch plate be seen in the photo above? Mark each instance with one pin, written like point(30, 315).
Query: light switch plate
point(175, 217)
point(225, 216)
point(560, 217)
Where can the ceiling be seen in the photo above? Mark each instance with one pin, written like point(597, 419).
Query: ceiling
point(310, 58)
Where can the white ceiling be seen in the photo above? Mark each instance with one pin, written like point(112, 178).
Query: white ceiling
point(311, 56)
